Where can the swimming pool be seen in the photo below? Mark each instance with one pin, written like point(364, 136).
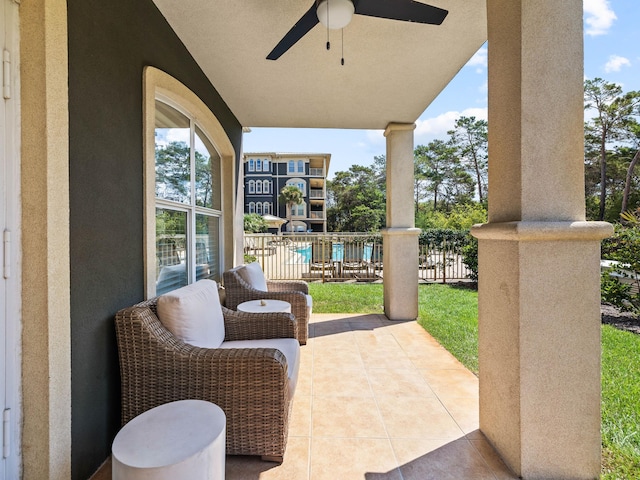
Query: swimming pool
point(337, 253)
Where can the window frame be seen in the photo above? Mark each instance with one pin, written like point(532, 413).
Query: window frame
point(158, 85)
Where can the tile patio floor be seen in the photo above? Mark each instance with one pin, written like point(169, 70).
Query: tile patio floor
point(377, 400)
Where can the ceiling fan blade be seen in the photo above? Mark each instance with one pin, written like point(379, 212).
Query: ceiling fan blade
point(299, 30)
point(405, 10)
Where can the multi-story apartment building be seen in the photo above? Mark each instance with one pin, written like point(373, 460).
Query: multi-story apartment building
point(265, 174)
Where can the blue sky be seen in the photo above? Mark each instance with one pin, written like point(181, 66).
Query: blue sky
point(611, 49)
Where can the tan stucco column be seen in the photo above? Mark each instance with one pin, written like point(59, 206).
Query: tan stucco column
point(539, 282)
point(400, 238)
point(46, 334)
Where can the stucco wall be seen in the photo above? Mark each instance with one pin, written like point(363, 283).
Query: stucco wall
point(110, 43)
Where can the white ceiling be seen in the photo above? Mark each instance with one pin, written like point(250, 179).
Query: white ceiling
point(393, 70)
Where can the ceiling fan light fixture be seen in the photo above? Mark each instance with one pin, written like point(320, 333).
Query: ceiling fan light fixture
point(335, 14)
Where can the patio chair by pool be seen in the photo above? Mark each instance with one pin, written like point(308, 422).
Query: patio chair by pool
point(185, 345)
point(247, 282)
point(354, 261)
point(322, 258)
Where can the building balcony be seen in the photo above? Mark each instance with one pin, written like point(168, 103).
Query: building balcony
point(316, 193)
point(316, 172)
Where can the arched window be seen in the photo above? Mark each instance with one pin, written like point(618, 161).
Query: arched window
point(188, 158)
point(252, 186)
point(300, 183)
point(252, 207)
point(258, 165)
point(258, 186)
point(266, 208)
point(265, 165)
point(300, 166)
point(251, 165)
point(291, 166)
point(266, 186)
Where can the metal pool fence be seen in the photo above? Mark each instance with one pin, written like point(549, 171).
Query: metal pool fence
point(353, 256)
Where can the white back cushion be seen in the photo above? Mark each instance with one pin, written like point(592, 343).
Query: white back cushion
point(193, 314)
point(252, 274)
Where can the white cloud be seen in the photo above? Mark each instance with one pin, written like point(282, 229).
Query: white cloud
point(598, 17)
point(479, 60)
point(440, 125)
point(615, 63)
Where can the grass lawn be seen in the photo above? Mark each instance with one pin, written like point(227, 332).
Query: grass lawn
point(450, 314)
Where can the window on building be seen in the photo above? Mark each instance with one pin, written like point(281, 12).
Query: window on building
point(187, 200)
point(300, 183)
point(259, 187)
point(252, 207)
point(258, 165)
point(252, 165)
point(300, 166)
point(252, 186)
point(265, 165)
point(266, 208)
point(299, 210)
point(291, 166)
point(266, 186)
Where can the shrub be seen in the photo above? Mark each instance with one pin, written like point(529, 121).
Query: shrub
point(470, 257)
point(254, 223)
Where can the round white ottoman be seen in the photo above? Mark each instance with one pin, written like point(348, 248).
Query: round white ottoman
point(177, 440)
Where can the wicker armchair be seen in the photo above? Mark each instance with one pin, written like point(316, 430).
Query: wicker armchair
point(296, 292)
point(251, 385)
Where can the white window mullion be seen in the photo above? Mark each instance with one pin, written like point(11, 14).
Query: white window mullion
point(191, 217)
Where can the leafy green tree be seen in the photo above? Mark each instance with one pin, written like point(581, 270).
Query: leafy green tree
point(614, 116)
point(444, 178)
point(173, 172)
point(629, 177)
point(358, 187)
point(291, 195)
point(254, 223)
point(469, 137)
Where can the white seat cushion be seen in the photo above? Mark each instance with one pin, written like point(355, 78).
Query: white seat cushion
point(253, 275)
point(288, 346)
point(193, 314)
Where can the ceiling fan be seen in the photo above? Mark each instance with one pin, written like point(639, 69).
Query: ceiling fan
point(336, 14)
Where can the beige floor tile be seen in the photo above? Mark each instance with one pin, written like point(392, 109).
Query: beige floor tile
point(353, 459)
point(355, 417)
point(455, 460)
point(336, 359)
point(396, 382)
point(300, 420)
point(500, 470)
point(375, 340)
point(329, 380)
point(386, 358)
point(465, 412)
point(417, 417)
point(295, 464)
point(436, 362)
point(452, 383)
point(399, 411)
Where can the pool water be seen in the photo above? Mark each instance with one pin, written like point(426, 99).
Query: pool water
point(337, 253)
